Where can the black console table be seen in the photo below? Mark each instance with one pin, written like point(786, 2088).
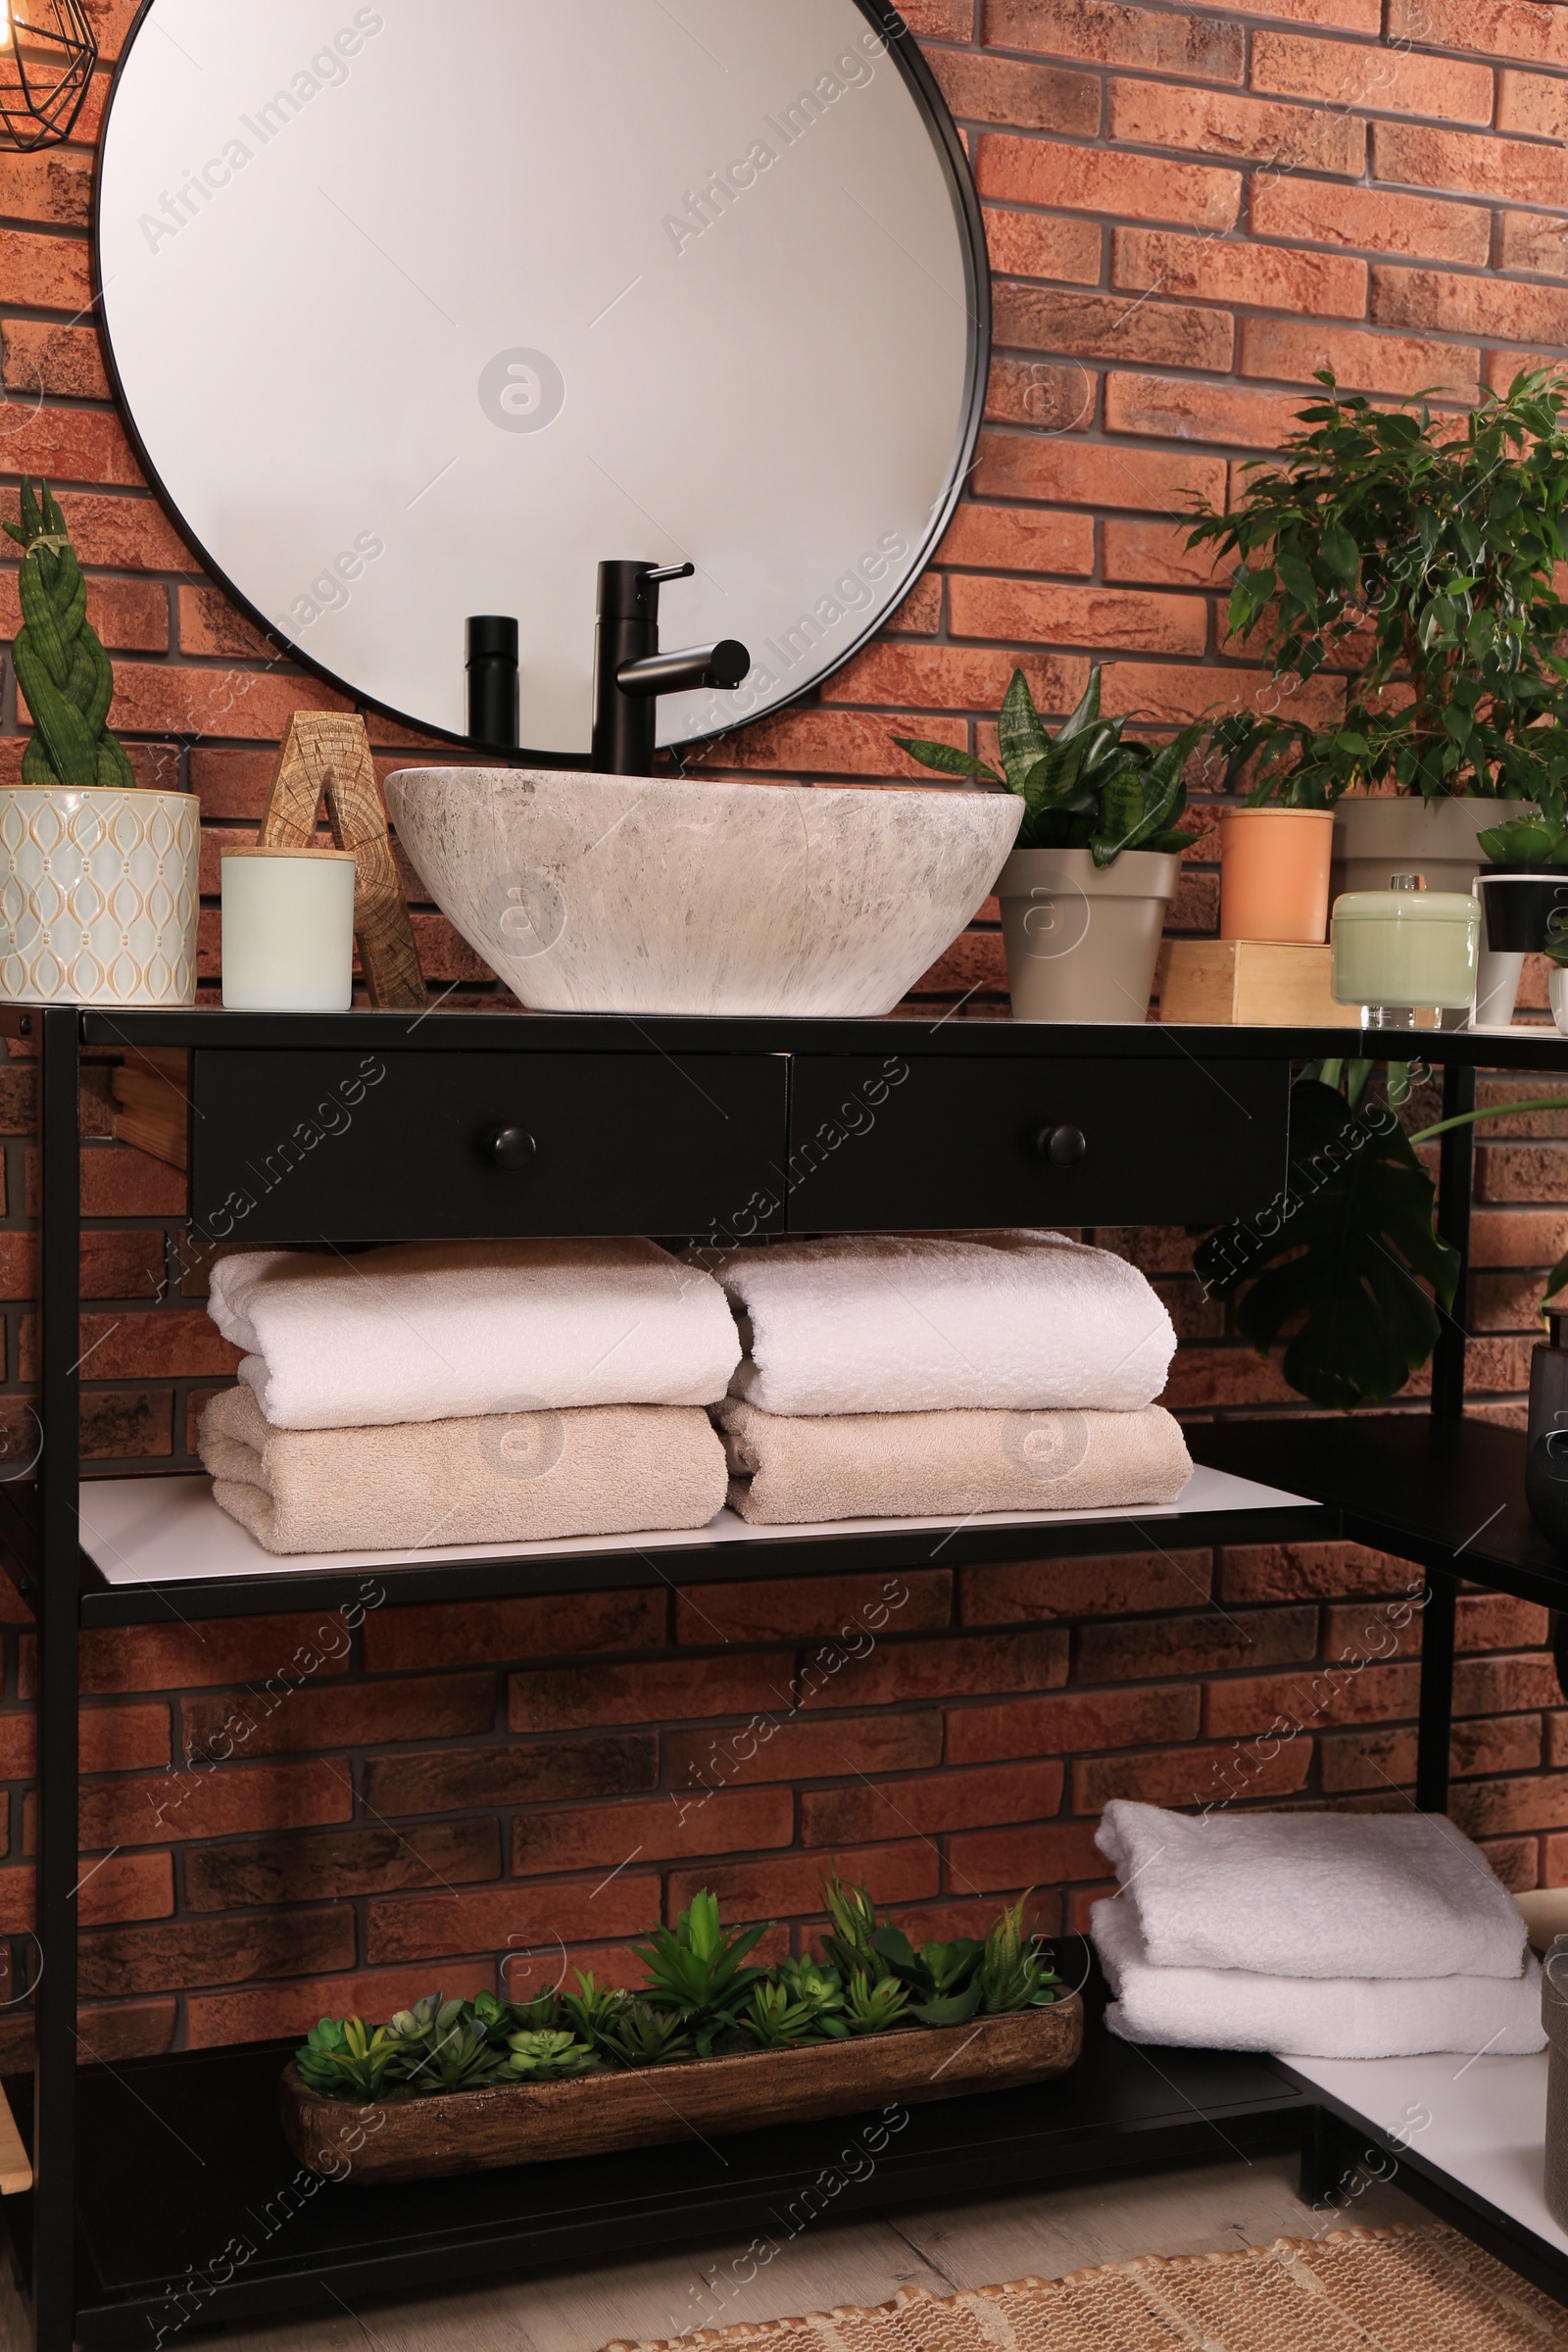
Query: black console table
point(371, 1127)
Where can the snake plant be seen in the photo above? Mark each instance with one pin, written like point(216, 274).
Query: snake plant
point(61, 665)
point(1086, 789)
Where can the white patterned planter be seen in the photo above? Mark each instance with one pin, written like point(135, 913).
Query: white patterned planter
point(99, 895)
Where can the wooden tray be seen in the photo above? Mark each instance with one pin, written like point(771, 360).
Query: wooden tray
point(537, 2122)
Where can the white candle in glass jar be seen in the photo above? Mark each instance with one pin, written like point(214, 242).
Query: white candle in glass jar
point(288, 930)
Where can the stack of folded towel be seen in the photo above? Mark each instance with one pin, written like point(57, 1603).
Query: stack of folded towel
point(935, 1378)
point(467, 1392)
point(1312, 1935)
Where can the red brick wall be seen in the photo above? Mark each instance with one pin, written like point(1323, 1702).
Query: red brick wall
point(1189, 211)
point(370, 1812)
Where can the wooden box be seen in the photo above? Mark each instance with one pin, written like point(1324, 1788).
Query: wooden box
point(1251, 982)
point(537, 2122)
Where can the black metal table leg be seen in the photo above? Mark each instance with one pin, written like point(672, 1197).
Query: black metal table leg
point(1456, 1188)
point(1436, 1721)
point(57, 1605)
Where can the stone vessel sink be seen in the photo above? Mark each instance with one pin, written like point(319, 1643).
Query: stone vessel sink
point(624, 894)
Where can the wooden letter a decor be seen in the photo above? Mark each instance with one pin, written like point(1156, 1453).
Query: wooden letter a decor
point(327, 754)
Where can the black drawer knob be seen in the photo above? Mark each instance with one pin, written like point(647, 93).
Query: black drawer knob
point(512, 1149)
point(1064, 1146)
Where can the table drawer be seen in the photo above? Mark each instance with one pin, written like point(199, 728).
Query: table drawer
point(922, 1142)
point(293, 1147)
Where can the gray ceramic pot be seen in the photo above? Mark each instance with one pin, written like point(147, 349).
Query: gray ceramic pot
point(1083, 940)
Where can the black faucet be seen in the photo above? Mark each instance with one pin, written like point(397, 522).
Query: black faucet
point(630, 672)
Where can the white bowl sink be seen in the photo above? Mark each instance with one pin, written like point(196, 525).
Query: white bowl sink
point(627, 894)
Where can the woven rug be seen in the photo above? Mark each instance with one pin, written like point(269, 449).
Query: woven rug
point(1355, 2290)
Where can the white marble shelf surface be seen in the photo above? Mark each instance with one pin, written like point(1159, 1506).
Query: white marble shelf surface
point(142, 1531)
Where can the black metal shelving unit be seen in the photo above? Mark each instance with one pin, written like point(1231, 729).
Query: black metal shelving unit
point(370, 1128)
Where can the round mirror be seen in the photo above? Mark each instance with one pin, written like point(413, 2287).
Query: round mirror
point(425, 310)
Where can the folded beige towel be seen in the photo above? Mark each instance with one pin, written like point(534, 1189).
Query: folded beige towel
point(508, 1478)
point(946, 1465)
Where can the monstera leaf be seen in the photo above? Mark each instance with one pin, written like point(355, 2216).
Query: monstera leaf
point(1350, 1243)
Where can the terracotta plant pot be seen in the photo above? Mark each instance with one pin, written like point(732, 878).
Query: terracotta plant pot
point(1083, 940)
point(538, 2123)
point(1274, 874)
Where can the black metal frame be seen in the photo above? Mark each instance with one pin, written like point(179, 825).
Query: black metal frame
point(926, 91)
point(970, 2144)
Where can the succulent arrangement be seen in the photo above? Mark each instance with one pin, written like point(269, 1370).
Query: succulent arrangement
point(61, 665)
point(1087, 788)
point(700, 1998)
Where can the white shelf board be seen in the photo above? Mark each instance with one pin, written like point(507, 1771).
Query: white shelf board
point(145, 1531)
point(1481, 2121)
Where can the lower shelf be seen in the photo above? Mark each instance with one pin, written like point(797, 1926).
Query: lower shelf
point(1465, 2136)
point(194, 2214)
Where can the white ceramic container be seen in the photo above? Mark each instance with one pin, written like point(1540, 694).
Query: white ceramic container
point(288, 930)
point(1558, 994)
point(1083, 940)
point(99, 895)
point(631, 894)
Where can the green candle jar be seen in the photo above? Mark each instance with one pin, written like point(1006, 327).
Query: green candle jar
point(1403, 951)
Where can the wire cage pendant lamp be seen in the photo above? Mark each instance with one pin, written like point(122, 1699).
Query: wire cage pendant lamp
point(47, 54)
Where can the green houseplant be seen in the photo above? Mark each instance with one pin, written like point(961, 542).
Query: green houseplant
point(1097, 861)
point(458, 2086)
point(1413, 550)
point(98, 881)
point(1414, 553)
point(1343, 1269)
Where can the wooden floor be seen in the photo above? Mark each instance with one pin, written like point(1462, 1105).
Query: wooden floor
point(1211, 2209)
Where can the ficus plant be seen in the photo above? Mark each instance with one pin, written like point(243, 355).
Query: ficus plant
point(700, 1998)
point(1416, 551)
point(1085, 788)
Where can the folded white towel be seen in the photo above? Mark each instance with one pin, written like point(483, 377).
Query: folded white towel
point(1334, 2017)
point(1313, 1895)
point(442, 1331)
point(1013, 1322)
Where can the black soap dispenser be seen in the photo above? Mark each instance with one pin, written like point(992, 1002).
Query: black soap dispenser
point(1546, 1457)
point(495, 709)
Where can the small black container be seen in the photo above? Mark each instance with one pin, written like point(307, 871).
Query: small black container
point(1546, 1458)
point(1520, 908)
